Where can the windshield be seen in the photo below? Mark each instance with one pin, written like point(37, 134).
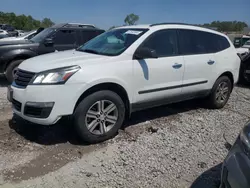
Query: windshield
point(42, 35)
point(247, 43)
point(113, 42)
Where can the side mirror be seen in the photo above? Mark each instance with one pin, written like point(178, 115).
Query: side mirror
point(48, 42)
point(145, 53)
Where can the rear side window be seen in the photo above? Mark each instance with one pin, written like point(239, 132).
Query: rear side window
point(65, 37)
point(222, 43)
point(164, 42)
point(87, 35)
point(199, 42)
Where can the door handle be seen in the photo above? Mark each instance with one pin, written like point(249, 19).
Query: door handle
point(210, 62)
point(177, 66)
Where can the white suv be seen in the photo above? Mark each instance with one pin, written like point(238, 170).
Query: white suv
point(124, 70)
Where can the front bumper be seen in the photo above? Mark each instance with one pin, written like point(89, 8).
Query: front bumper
point(45, 104)
point(236, 168)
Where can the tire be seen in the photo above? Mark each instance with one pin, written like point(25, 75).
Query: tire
point(220, 102)
point(83, 123)
point(11, 67)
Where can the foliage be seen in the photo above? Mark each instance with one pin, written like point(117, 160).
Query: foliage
point(23, 22)
point(227, 25)
point(131, 19)
point(112, 27)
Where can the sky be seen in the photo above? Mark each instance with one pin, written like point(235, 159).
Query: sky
point(107, 13)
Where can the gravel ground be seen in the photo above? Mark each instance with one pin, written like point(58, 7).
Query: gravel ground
point(179, 145)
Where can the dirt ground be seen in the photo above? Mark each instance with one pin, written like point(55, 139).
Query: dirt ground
point(32, 154)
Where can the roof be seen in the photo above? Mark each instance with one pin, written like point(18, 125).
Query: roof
point(75, 26)
point(145, 26)
point(177, 25)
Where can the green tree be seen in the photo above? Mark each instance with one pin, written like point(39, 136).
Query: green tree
point(46, 22)
point(112, 27)
point(131, 19)
point(227, 25)
point(23, 22)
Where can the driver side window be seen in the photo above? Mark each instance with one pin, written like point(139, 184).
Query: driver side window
point(164, 43)
point(65, 37)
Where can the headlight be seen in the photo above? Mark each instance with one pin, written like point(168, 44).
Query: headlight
point(55, 76)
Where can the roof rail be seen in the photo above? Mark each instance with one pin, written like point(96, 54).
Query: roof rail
point(173, 23)
point(78, 25)
point(168, 23)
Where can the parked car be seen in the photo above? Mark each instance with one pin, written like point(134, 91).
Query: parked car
point(3, 32)
point(246, 45)
point(236, 166)
point(240, 41)
point(3, 36)
point(10, 29)
point(20, 32)
point(104, 81)
point(25, 36)
point(245, 48)
point(245, 68)
point(57, 38)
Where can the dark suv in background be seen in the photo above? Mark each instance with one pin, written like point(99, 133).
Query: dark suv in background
point(56, 38)
point(10, 29)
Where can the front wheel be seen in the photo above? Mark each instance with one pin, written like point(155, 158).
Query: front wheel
point(11, 70)
point(220, 93)
point(99, 116)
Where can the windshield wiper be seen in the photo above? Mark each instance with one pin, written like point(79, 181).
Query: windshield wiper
point(90, 51)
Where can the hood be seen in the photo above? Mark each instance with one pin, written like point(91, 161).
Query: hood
point(61, 59)
point(13, 42)
point(11, 39)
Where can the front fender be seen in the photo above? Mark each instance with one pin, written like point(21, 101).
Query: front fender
point(7, 57)
point(83, 87)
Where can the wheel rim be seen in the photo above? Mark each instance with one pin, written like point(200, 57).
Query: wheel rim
point(222, 92)
point(101, 117)
point(14, 72)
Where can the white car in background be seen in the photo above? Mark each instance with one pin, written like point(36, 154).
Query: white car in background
point(25, 36)
point(244, 49)
point(246, 45)
point(21, 32)
point(3, 32)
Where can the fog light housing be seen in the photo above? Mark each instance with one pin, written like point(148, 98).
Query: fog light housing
point(38, 109)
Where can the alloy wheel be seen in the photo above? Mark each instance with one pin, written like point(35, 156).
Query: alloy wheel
point(14, 72)
point(101, 117)
point(222, 92)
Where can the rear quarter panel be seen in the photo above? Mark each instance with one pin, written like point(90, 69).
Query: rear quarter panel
point(228, 61)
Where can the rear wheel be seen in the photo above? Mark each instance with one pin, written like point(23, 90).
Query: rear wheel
point(220, 93)
point(11, 69)
point(99, 116)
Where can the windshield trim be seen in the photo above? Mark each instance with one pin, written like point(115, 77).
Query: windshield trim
point(53, 30)
point(145, 30)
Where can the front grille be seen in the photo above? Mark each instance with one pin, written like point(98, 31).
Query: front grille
point(22, 78)
point(17, 105)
